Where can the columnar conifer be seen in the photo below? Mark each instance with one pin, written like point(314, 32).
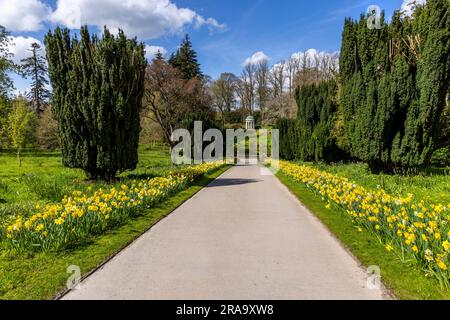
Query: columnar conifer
point(97, 85)
point(393, 86)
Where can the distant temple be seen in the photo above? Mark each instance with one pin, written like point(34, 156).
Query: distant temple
point(250, 123)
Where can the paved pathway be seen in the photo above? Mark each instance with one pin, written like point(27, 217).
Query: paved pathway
point(243, 237)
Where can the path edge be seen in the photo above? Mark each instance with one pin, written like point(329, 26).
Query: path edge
point(59, 295)
point(386, 292)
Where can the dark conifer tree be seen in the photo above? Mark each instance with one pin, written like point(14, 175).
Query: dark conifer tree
point(317, 111)
point(158, 56)
point(289, 139)
point(35, 67)
point(97, 91)
point(393, 86)
point(185, 60)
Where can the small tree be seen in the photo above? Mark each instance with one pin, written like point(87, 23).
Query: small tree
point(19, 126)
point(98, 86)
point(35, 67)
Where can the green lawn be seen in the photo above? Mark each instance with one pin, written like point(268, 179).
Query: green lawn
point(43, 179)
point(42, 275)
point(431, 186)
point(406, 281)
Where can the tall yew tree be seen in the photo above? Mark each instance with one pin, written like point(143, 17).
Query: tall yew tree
point(98, 86)
point(394, 82)
point(316, 115)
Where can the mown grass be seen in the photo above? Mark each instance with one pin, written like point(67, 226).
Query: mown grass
point(431, 186)
point(404, 280)
point(43, 275)
point(43, 179)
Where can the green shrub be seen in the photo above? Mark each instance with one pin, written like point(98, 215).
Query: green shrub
point(441, 157)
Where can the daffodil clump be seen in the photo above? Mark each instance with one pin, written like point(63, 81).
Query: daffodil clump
point(78, 216)
point(411, 229)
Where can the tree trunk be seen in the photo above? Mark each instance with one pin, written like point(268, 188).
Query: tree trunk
point(18, 157)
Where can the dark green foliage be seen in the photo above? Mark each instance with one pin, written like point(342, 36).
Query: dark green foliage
point(317, 113)
point(6, 64)
point(5, 109)
point(97, 91)
point(35, 67)
point(393, 87)
point(441, 157)
point(310, 137)
point(289, 139)
point(185, 60)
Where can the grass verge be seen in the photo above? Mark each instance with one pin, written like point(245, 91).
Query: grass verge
point(405, 281)
point(43, 275)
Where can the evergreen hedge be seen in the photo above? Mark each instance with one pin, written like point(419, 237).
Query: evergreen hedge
point(316, 115)
point(310, 137)
point(394, 82)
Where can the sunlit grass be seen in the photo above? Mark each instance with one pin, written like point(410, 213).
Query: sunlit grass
point(43, 179)
point(405, 280)
point(432, 186)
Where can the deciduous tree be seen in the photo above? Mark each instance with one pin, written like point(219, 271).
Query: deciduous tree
point(223, 93)
point(19, 126)
point(174, 102)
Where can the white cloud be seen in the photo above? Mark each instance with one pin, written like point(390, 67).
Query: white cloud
point(151, 51)
point(310, 55)
point(211, 23)
point(307, 59)
point(409, 5)
point(20, 47)
point(146, 19)
point(23, 15)
point(256, 58)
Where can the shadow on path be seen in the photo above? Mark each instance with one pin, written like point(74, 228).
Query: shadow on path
point(222, 182)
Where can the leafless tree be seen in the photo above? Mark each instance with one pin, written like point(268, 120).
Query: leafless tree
point(292, 66)
point(223, 94)
point(247, 87)
point(169, 98)
point(278, 79)
point(262, 84)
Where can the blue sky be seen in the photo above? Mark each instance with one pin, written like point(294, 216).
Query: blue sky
point(224, 32)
